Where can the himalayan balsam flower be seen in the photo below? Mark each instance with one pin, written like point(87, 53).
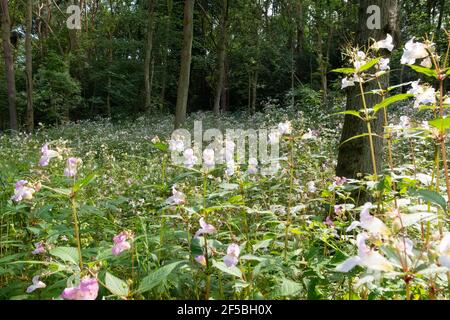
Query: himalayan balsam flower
point(208, 158)
point(229, 150)
point(383, 64)
point(339, 209)
point(72, 167)
point(22, 191)
point(177, 197)
point(35, 285)
point(369, 222)
point(359, 60)
point(328, 222)
point(413, 51)
point(189, 158)
point(176, 145)
point(366, 257)
point(86, 290)
point(205, 228)
point(384, 44)
point(347, 82)
point(120, 243)
point(46, 155)
point(444, 251)
point(404, 122)
point(423, 95)
point(405, 245)
point(40, 248)
point(231, 259)
point(285, 127)
point(229, 171)
point(201, 260)
point(252, 166)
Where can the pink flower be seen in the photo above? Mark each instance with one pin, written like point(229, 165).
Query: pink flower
point(338, 181)
point(22, 192)
point(36, 285)
point(177, 197)
point(338, 209)
point(205, 228)
point(72, 166)
point(47, 154)
point(201, 260)
point(120, 243)
point(231, 259)
point(40, 248)
point(329, 222)
point(86, 290)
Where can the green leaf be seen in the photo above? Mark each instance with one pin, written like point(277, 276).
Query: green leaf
point(388, 101)
point(157, 277)
point(440, 123)
point(369, 64)
point(423, 70)
point(84, 182)
point(344, 70)
point(116, 285)
point(68, 254)
point(160, 146)
point(350, 112)
point(430, 196)
point(234, 271)
point(359, 136)
point(289, 288)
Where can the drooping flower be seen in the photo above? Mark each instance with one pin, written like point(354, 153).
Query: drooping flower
point(347, 82)
point(422, 94)
point(36, 284)
point(328, 222)
point(252, 166)
point(205, 228)
point(177, 197)
point(189, 158)
point(176, 144)
point(383, 64)
point(369, 222)
point(46, 155)
point(311, 186)
point(39, 248)
point(201, 260)
point(384, 44)
point(444, 251)
point(22, 191)
point(231, 259)
point(120, 243)
point(366, 257)
point(339, 209)
point(285, 127)
point(86, 290)
point(339, 181)
point(413, 51)
point(229, 171)
point(208, 158)
point(72, 167)
point(405, 245)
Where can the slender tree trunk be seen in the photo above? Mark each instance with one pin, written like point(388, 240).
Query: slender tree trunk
point(221, 52)
point(165, 46)
point(29, 66)
point(354, 156)
point(254, 87)
point(9, 64)
point(108, 89)
point(185, 69)
point(148, 64)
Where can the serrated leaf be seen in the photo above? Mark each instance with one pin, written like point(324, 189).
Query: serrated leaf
point(84, 182)
point(350, 112)
point(160, 146)
point(157, 277)
point(388, 101)
point(289, 288)
point(359, 136)
point(344, 70)
point(440, 123)
point(68, 254)
point(234, 271)
point(423, 70)
point(116, 285)
point(431, 196)
point(369, 64)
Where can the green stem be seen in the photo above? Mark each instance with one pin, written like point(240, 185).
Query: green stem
point(76, 229)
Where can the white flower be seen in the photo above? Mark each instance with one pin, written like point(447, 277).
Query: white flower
point(423, 95)
point(208, 158)
point(425, 179)
point(231, 259)
point(413, 51)
point(366, 257)
point(205, 228)
point(36, 285)
point(229, 150)
point(383, 64)
point(359, 60)
point(309, 135)
point(189, 158)
point(405, 245)
point(230, 168)
point(404, 122)
point(47, 154)
point(176, 145)
point(311, 186)
point(447, 101)
point(252, 166)
point(369, 222)
point(22, 191)
point(285, 127)
point(177, 197)
point(426, 63)
point(347, 82)
point(444, 251)
point(384, 44)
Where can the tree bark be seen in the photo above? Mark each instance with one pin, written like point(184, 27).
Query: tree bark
point(9, 64)
point(221, 52)
point(148, 65)
point(185, 69)
point(29, 66)
point(354, 156)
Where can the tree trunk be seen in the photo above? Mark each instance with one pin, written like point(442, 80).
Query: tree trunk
point(354, 156)
point(165, 46)
point(148, 66)
point(221, 52)
point(185, 69)
point(9, 65)
point(29, 66)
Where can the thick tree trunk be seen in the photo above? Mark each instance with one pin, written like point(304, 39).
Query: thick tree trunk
point(354, 156)
point(29, 66)
point(185, 69)
point(221, 52)
point(9, 64)
point(148, 64)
